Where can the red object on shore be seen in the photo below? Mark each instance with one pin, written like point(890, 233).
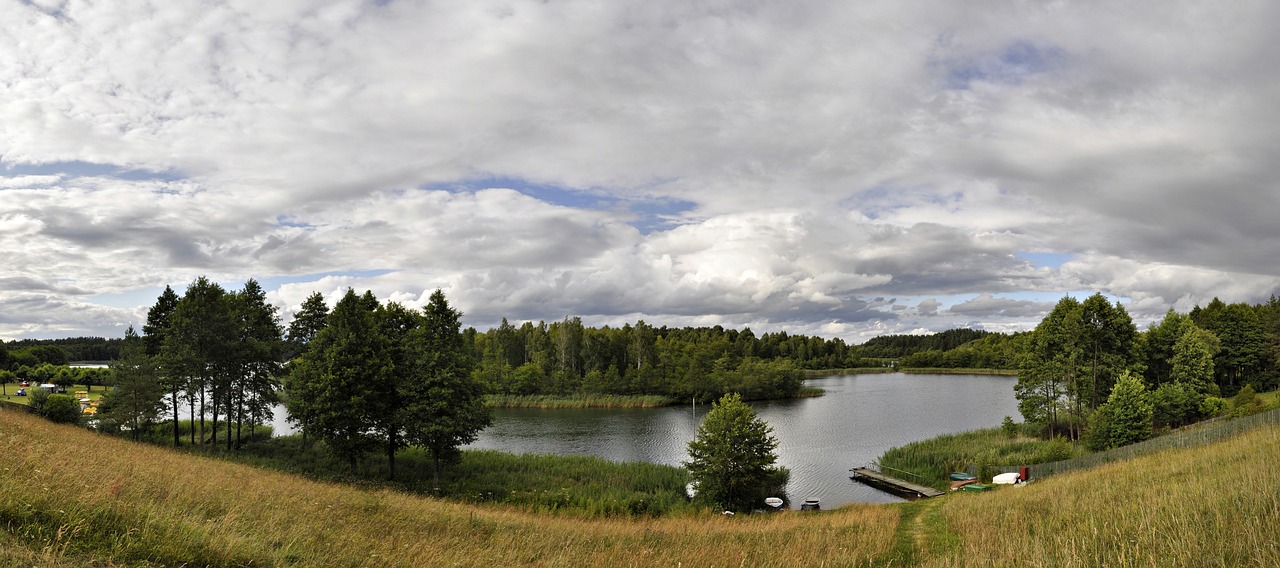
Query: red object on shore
point(958, 484)
point(1024, 473)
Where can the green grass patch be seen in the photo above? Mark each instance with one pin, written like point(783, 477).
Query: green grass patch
point(573, 485)
point(935, 458)
point(948, 371)
point(579, 401)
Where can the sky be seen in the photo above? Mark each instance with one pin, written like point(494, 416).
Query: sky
point(842, 169)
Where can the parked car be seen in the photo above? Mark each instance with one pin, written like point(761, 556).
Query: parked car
point(24, 384)
point(21, 392)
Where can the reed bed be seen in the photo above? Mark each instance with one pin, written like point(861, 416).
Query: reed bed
point(579, 401)
point(69, 497)
point(932, 459)
point(1217, 505)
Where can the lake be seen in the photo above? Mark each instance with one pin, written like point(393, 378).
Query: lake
point(819, 439)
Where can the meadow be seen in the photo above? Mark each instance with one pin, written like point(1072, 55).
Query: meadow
point(70, 497)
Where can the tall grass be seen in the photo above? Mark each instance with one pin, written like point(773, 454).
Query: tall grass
point(564, 485)
point(1216, 505)
point(579, 401)
point(933, 459)
point(69, 497)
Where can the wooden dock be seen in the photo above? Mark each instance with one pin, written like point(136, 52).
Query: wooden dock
point(898, 487)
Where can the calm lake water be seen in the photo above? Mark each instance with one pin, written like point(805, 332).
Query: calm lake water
point(819, 439)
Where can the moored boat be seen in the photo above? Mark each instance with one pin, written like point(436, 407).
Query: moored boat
point(773, 502)
point(955, 485)
point(1006, 478)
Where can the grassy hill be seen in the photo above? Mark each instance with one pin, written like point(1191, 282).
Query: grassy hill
point(69, 497)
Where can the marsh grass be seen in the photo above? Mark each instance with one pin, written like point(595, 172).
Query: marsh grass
point(580, 401)
point(933, 459)
point(562, 485)
point(69, 497)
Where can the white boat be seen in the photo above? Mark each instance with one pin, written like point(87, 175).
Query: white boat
point(1010, 478)
point(773, 502)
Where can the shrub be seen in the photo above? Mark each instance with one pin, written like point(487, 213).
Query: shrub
point(62, 408)
point(1009, 428)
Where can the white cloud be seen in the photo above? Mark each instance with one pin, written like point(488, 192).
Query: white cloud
point(830, 153)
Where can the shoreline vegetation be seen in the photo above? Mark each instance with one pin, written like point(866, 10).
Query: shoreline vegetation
point(607, 401)
point(112, 502)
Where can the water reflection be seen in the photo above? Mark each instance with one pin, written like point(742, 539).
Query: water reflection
point(819, 439)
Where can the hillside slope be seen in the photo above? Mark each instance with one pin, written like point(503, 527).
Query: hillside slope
point(69, 497)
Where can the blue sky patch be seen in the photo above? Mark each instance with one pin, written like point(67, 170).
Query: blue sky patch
point(1009, 66)
point(1046, 259)
point(650, 214)
point(76, 169)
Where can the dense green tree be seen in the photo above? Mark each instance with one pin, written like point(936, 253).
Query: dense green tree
point(1125, 417)
point(138, 397)
point(155, 333)
point(330, 384)
point(732, 459)
point(398, 324)
point(1158, 347)
point(1241, 338)
point(62, 408)
point(1109, 341)
point(1192, 360)
point(198, 346)
point(1049, 374)
point(308, 322)
point(445, 406)
point(254, 363)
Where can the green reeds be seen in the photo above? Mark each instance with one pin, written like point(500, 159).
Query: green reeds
point(577, 401)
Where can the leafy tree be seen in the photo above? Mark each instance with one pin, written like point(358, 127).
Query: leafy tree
point(1050, 371)
point(330, 384)
point(1241, 337)
point(1158, 347)
point(732, 457)
point(308, 322)
point(198, 346)
point(155, 333)
point(1108, 338)
point(254, 364)
point(62, 408)
point(445, 406)
point(138, 396)
point(1192, 360)
point(1125, 418)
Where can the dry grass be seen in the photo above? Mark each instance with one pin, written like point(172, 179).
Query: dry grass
point(70, 497)
point(1217, 505)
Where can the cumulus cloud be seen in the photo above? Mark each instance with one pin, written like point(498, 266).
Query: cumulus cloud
point(838, 168)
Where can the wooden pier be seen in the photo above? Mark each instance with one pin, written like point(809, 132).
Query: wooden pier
point(898, 487)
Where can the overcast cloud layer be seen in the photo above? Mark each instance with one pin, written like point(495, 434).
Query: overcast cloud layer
point(845, 169)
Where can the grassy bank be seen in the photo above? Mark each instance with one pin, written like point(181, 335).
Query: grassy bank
point(565, 485)
point(820, 373)
point(950, 371)
point(934, 458)
point(581, 401)
point(69, 497)
point(1215, 505)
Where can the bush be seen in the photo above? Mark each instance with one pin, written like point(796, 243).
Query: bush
point(62, 408)
point(39, 397)
point(1213, 406)
point(1009, 428)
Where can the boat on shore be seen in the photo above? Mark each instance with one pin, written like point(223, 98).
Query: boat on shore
point(957, 485)
point(961, 476)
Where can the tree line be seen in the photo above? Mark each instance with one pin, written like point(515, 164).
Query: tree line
point(363, 376)
point(568, 358)
point(1087, 372)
